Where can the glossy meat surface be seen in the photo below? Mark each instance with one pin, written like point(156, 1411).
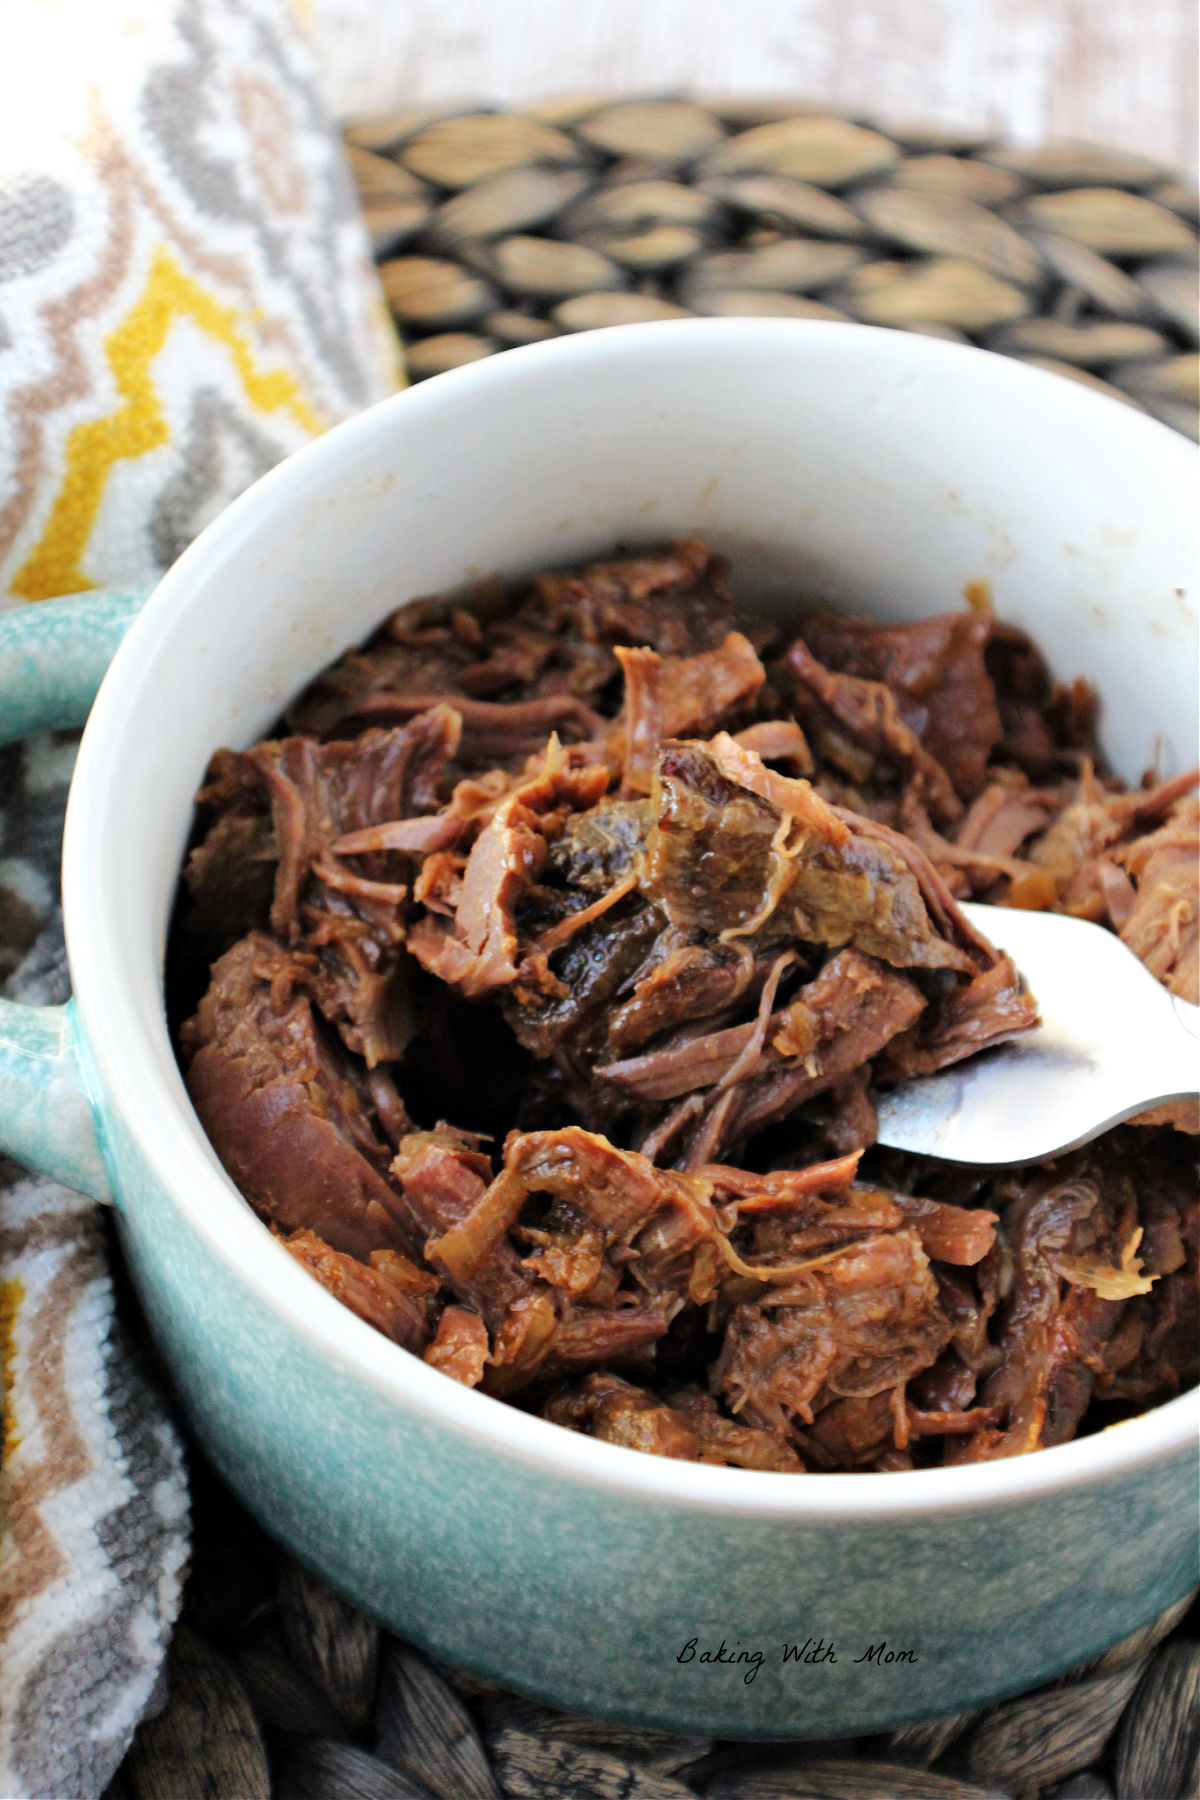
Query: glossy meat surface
point(549, 961)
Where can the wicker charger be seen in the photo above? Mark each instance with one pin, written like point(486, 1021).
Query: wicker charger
point(494, 229)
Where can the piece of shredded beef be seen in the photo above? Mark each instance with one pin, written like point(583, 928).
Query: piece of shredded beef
point(857, 726)
point(1096, 823)
point(460, 1348)
point(859, 1321)
point(690, 1427)
point(595, 863)
point(280, 810)
point(1162, 922)
point(553, 640)
point(1075, 1235)
point(286, 1109)
point(936, 673)
point(377, 1291)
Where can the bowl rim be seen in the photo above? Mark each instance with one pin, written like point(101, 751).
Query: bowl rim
point(155, 1109)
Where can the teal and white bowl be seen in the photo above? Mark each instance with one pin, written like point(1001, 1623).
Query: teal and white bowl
point(876, 470)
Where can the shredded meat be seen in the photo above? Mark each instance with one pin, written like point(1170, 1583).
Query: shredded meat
point(1162, 922)
point(857, 726)
point(460, 1348)
point(1076, 1244)
point(1002, 817)
point(481, 954)
point(280, 810)
point(368, 1289)
point(553, 641)
point(725, 859)
point(860, 1321)
point(651, 904)
point(280, 1102)
point(691, 1429)
point(1096, 828)
point(936, 673)
point(988, 1010)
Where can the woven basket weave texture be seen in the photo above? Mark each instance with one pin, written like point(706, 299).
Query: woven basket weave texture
point(494, 229)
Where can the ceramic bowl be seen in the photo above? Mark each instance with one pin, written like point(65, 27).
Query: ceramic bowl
point(870, 470)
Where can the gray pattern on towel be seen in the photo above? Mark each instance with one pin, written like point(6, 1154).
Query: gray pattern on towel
point(93, 1493)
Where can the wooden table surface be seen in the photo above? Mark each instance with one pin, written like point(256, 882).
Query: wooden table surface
point(1121, 72)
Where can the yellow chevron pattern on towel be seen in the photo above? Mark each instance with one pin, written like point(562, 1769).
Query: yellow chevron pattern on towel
point(94, 446)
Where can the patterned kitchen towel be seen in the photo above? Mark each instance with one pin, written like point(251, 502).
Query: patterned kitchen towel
point(186, 292)
point(92, 1487)
point(93, 1495)
point(186, 295)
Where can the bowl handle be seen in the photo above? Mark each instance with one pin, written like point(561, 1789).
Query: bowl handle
point(53, 656)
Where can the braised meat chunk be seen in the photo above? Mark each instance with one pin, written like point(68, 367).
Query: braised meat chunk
point(278, 813)
point(288, 1112)
point(691, 1427)
point(543, 971)
point(388, 1292)
point(935, 674)
point(548, 648)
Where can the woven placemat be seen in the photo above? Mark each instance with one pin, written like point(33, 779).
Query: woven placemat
point(494, 229)
point(278, 1690)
